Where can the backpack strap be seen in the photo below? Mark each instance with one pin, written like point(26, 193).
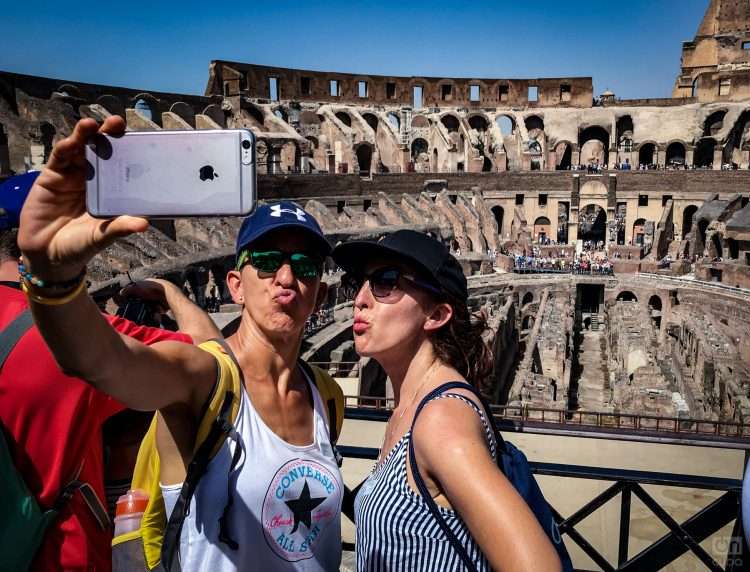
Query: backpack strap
point(13, 333)
point(332, 396)
point(419, 482)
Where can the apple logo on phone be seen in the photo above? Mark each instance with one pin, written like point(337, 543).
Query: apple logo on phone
point(207, 173)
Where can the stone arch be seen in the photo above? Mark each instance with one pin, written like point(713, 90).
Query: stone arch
point(289, 156)
point(499, 213)
point(344, 117)
point(450, 122)
point(534, 126)
point(364, 158)
point(687, 219)
point(419, 146)
point(528, 298)
point(542, 229)
point(626, 296)
point(714, 123)
point(736, 138)
point(592, 223)
point(216, 114)
point(307, 117)
point(372, 120)
point(593, 142)
point(704, 152)
point(148, 106)
point(281, 113)
point(70, 90)
point(647, 154)
point(487, 165)
point(112, 104)
point(655, 310)
point(527, 323)
point(676, 153)
point(506, 124)
point(394, 120)
point(718, 247)
point(702, 228)
point(479, 122)
point(625, 129)
point(420, 121)
point(184, 111)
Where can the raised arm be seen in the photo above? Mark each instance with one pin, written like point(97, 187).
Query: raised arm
point(58, 238)
point(454, 454)
point(191, 319)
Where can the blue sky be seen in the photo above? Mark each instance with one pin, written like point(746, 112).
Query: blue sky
point(630, 47)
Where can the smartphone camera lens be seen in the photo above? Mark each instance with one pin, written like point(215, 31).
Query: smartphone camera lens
point(246, 144)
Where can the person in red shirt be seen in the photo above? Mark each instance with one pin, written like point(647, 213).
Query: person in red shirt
point(53, 422)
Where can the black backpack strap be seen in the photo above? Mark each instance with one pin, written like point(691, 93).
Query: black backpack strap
point(422, 487)
point(13, 333)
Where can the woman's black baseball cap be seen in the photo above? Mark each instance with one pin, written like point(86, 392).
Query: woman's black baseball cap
point(428, 256)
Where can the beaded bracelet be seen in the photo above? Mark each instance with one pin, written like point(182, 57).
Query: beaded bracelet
point(51, 300)
point(39, 283)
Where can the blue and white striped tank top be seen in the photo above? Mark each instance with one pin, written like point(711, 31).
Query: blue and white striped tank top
point(395, 528)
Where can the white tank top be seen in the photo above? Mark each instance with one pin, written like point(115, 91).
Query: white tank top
point(286, 513)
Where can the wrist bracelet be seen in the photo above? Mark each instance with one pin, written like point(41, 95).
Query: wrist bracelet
point(27, 286)
point(39, 283)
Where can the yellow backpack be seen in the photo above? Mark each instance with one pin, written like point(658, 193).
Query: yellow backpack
point(155, 544)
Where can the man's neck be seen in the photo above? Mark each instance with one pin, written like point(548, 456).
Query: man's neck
point(9, 270)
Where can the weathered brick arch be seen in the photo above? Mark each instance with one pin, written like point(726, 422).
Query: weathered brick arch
point(185, 111)
point(112, 104)
point(216, 114)
point(71, 90)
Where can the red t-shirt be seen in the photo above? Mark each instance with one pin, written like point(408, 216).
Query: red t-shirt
point(52, 424)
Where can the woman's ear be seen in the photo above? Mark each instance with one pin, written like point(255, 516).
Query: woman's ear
point(234, 283)
point(439, 316)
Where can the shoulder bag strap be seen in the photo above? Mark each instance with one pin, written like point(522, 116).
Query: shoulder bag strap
point(422, 487)
point(13, 333)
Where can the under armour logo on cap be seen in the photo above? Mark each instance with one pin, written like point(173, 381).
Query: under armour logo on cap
point(276, 211)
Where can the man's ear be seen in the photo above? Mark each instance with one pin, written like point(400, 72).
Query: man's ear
point(321, 297)
point(438, 317)
point(234, 283)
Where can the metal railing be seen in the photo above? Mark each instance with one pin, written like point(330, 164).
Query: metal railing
point(340, 368)
point(681, 538)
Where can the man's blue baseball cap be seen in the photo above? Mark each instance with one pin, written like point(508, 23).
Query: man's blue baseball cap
point(275, 216)
point(13, 193)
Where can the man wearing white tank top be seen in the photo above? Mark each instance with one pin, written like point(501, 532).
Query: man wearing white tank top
point(286, 490)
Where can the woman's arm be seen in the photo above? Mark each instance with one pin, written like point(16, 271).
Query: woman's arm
point(58, 238)
point(452, 455)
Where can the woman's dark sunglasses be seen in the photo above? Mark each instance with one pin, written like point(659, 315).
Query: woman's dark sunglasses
point(383, 284)
point(303, 265)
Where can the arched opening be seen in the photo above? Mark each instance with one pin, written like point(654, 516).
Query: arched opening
point(535, 126)
point(654, 307)
point(542, 230)
point(626, 296)
point(147, 106)
point(498, 213)
point(527, 323)
point(289, 158)
point(625, 133)
point(364, 159)
point(185, 112)
point(702, 228)
point(506, 125)
point(734, 248)
point(676, 154)
point(70, 90)
point(47, 133)
point(592, 224)
point(418, 147)
point(344, 117)
point(486, 165)
point(718, 249)
point(528, 298)
point(281, 114)
point(216, 114)
point(687, 219)
point(639, 232)
point(112, 104)
point(704, 153)
point(371, 120)
point(420, 122)
point(394, 120)
point(450, 122)
point(479, 122)
point(254, 113)
point(594, 144)
point(647, 154)
point(714, 123)
point(563, 156)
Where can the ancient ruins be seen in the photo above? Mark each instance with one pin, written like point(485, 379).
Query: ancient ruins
point(606, 240)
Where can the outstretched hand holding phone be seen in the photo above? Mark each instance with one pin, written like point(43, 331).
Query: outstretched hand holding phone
point(56, 234)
